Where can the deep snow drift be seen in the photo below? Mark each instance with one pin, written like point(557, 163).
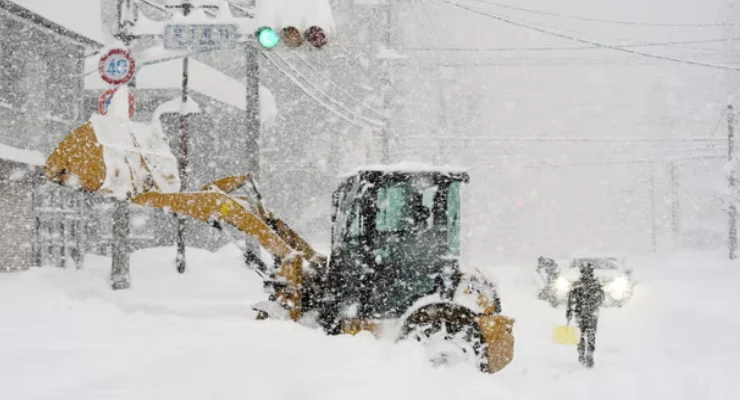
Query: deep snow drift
point(64, 335)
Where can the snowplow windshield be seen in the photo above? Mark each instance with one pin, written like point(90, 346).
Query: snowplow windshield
point(420, 205)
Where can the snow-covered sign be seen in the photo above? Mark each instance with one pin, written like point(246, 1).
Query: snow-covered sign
point(105, 100)
point(200, 36)
point(117, 66)
point(277, 14)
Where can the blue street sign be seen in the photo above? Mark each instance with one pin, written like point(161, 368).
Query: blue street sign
point(200, 37)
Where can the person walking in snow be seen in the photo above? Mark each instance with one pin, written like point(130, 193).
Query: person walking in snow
point(584, 299)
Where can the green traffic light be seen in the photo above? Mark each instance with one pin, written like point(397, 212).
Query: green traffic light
point(267, 37)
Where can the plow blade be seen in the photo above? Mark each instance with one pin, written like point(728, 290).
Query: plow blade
point(114, 157)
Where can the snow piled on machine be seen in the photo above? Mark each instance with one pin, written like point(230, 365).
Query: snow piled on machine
point(66, 335)
point(133, 152)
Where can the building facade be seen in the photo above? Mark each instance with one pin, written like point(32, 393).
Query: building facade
point(41, 99)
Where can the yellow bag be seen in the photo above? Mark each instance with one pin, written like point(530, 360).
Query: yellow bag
point(565, 334)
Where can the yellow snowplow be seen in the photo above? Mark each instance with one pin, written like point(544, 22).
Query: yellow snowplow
point(394, 266)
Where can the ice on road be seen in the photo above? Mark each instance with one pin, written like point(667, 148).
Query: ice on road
point(65, 335)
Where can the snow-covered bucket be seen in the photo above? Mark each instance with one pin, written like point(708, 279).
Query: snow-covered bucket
point(115, 157)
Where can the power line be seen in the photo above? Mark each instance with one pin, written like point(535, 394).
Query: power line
point(607, 21)
point(307, 92)
point(569, 139)
point(333, 100)
point(560, 48)
point(586, 41)
point(360, 102)
point(545, 165)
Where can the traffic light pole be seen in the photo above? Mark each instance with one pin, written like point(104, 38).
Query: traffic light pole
point(386, 134)
point(120, 275)
point(252, 112)
point(732, 209)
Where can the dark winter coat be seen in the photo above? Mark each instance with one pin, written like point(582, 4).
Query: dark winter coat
point(585, 298)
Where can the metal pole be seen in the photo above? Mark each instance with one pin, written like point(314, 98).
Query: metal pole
point(120, 272)
point(386, 136)
point(252, 112)
point(183, 165)
point(732, 209)
point(252, 123)
point(120, 250)
point(675, 206)
point(654, 228)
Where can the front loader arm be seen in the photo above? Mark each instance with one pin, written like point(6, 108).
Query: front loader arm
point(214, 206)
point(132, 162)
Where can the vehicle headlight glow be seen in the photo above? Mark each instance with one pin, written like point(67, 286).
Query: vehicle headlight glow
point(562, 284)
point(618, 287)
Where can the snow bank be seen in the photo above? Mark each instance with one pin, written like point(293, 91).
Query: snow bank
point(66, 336)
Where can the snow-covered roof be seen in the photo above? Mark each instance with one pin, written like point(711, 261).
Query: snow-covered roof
point(298, 13)
point(203, 79)
point(82, 17)
point(30, 157)
point(273, 13)
point(407, 167)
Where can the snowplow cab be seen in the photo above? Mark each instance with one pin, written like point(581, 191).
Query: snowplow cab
point(395, 261)
point(394, 232)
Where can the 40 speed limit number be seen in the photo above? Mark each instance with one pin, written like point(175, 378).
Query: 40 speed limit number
point(117, 67)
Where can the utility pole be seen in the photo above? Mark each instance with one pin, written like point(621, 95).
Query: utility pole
point(732, 209)
point(675, 206)
point(186, 6)
point(120, 250)
point(386, 135)
point(654, 225)
point(252, 113)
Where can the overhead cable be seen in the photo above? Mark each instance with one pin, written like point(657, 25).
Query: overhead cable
point(312, 96)
point(331, 82)
point(606, 21)
point(586, 41)
point(332, 99)
point(570, 139)
point(560, 48)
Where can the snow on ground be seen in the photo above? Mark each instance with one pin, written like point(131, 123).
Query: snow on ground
point(64, 335)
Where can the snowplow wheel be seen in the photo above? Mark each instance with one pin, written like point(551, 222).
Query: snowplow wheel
point(449, 334)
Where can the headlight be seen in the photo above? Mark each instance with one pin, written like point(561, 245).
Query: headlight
point(562, 284)
point(618, 287)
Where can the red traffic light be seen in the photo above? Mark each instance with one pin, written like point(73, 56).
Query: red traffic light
point(316, 36)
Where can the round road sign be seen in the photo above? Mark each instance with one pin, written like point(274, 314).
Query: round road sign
point(117, 67)
point(106, 98)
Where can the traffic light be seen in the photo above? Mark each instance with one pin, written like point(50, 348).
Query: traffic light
point(267, 37)
point(316, 36)
point(291, 37)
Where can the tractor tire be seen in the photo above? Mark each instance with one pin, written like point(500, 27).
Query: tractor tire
point(450, 335)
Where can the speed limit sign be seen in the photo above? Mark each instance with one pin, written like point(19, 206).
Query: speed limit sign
point(117, 67)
